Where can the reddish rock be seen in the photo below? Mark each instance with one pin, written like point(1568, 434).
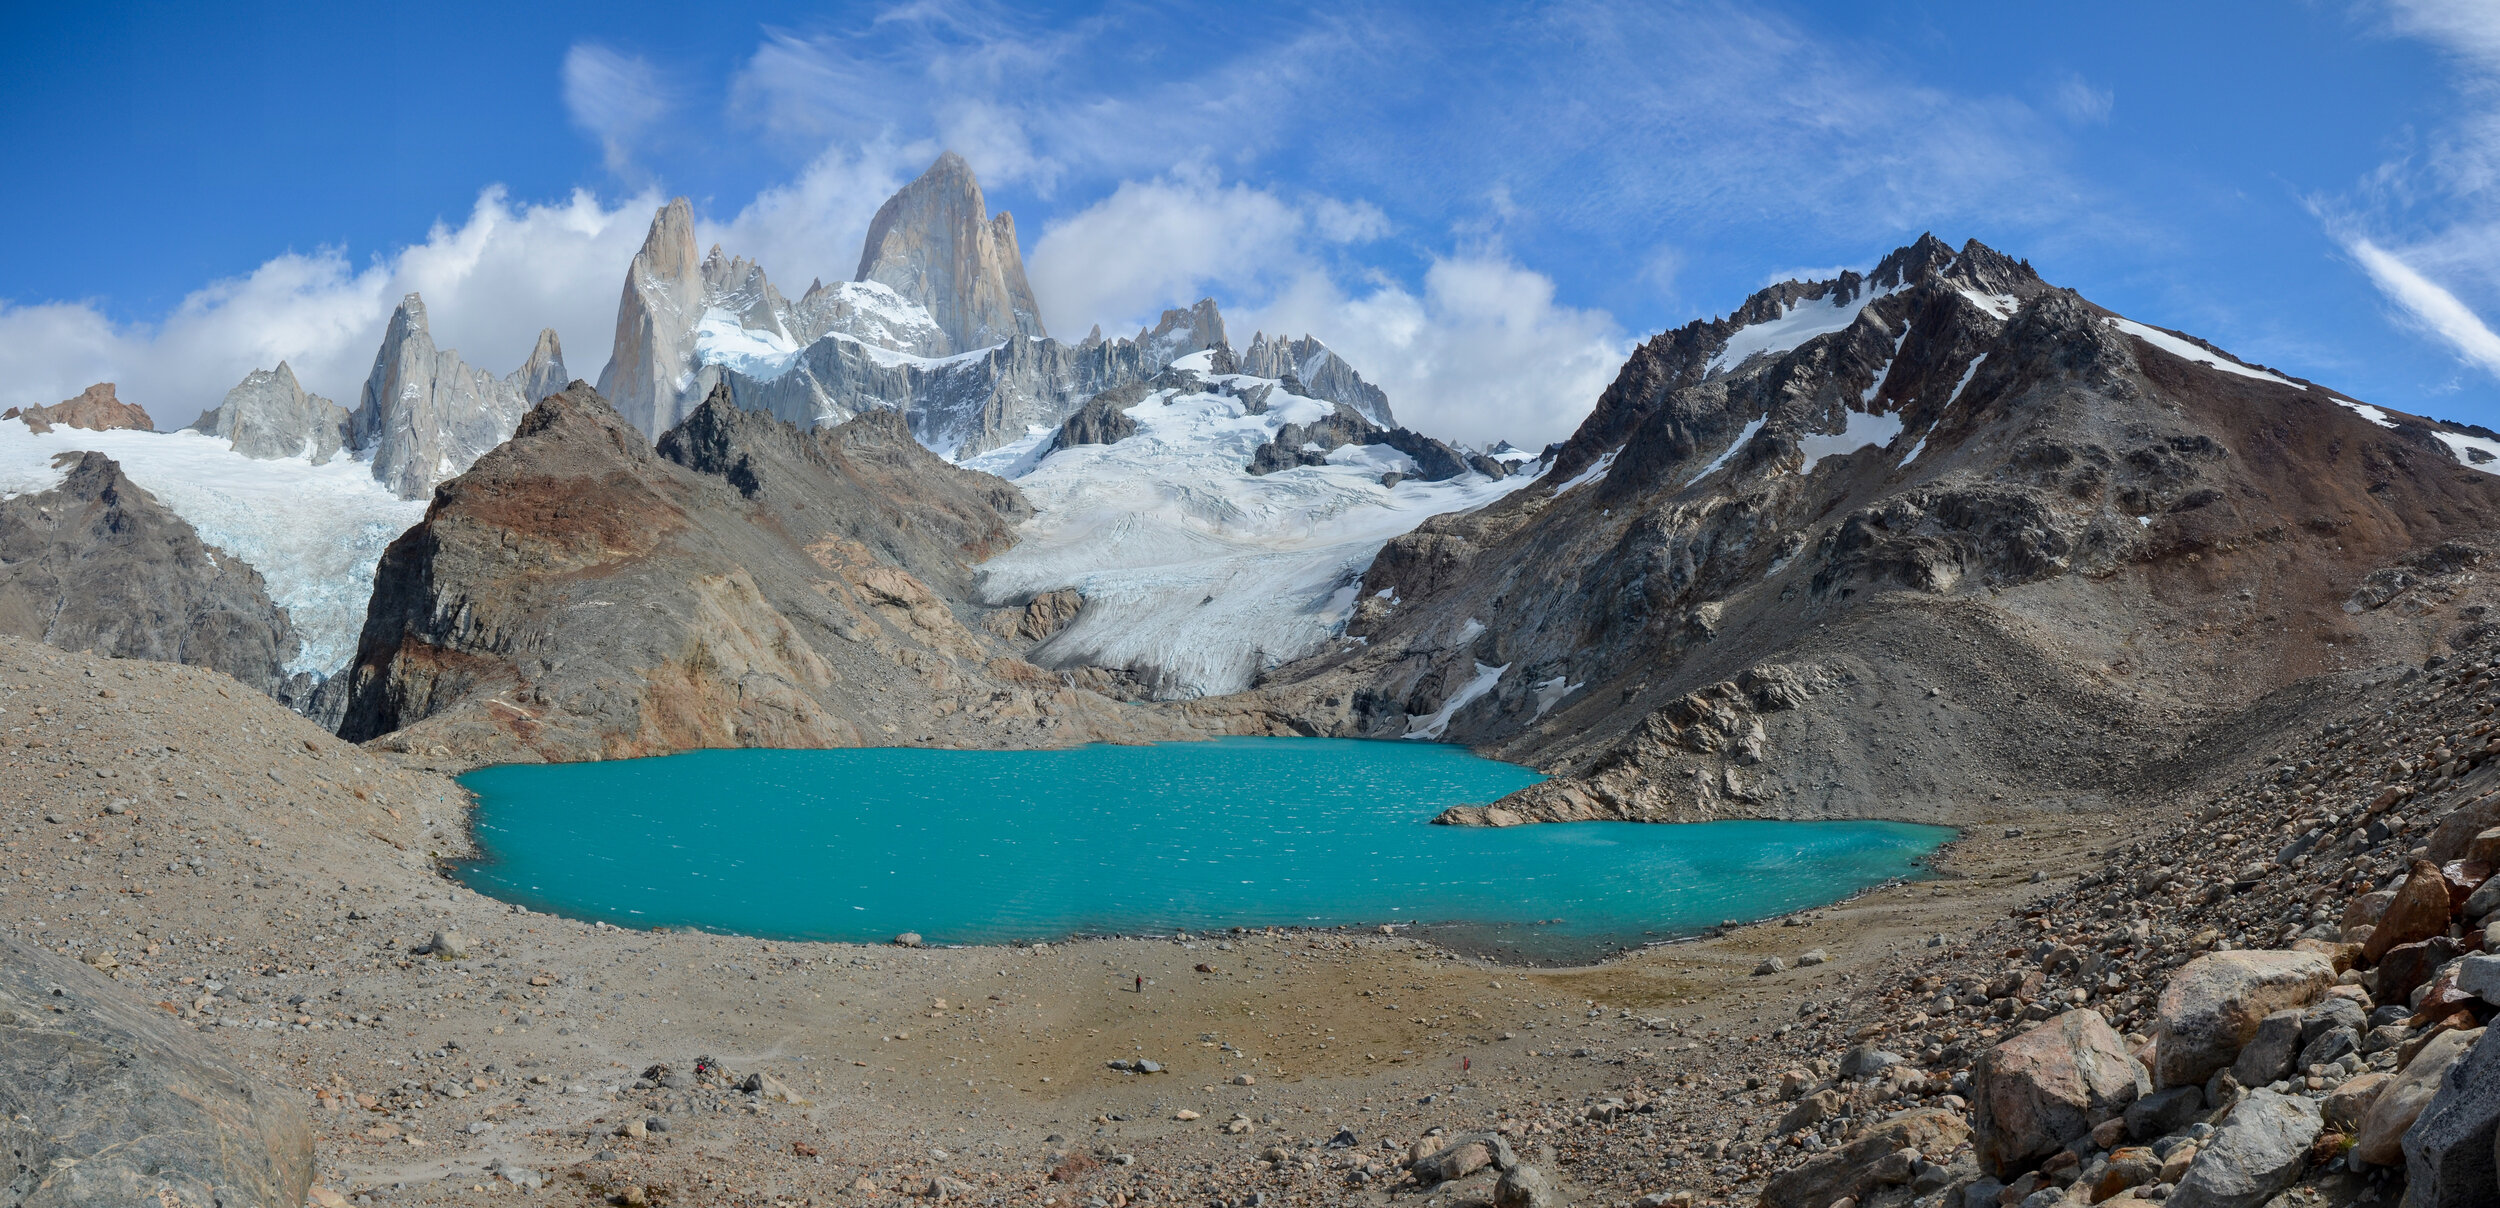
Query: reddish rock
point(2417, 912)
point(2404, 968)
point(95, 409)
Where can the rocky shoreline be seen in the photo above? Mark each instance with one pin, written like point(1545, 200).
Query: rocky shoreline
point(452, 1049)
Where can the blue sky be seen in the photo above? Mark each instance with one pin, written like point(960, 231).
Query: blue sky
point(1481, 205)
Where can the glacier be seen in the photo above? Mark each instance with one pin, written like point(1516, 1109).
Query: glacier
point(1198, 575)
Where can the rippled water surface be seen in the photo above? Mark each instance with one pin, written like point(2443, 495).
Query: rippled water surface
point(995, 846)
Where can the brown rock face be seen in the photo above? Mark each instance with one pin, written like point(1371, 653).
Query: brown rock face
point(935, 244)
point(2417, 912)
point(98, 564)
point(96, 409)
point(2033, 1094)
point(2380, 1141)
point(2214, 1004)
point(580, 594)
point(102, 1103)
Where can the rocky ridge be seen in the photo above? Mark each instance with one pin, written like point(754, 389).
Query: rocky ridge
point(939, 326)
point(99, 564)
point(581, 594)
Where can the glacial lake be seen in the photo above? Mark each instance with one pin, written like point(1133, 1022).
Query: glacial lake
point(1008, 846)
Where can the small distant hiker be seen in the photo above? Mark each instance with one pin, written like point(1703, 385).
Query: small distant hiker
point(1141, 983)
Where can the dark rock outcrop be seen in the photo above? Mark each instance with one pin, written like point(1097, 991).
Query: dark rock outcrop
point(1104, 418)
point(103, 1102)
point(580, 594)
point(98, 564)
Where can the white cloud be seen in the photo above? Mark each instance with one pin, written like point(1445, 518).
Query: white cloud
point(2432, 308)
point(814, 225)
point(489, 283)
point(1163, 242)
point(615, 97)
point(1483, 352)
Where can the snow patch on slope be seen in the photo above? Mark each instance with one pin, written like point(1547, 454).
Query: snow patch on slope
point(1196, 574)
point(2469, 448)
point(1596, 469)
point(1428, 726)
point(315, 533)
point(1801, 323)
point(2196, 354)
point(1860, 431)
point(1743, 435)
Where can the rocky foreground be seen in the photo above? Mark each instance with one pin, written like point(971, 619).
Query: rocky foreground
point(2270, 992)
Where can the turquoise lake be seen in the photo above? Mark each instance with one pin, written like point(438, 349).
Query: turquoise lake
point(1004, 846)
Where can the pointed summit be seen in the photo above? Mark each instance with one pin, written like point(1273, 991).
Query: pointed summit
point(543, 374)
point(425, 414)
point(935, 244)
point(269, 415)
point(652, 361)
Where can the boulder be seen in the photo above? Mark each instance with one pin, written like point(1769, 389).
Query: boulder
point(2380, 1142)
point(2449, 1159)
point(2164, 1112)
point(2479, 976)
point(1866, 1061)
point(2349, 1105)
point(1856, 1169)
point(2214, 1004)
point(2482, 902)
point(1526, 1187)
point(2417, 912)
point(2330, 1013)
point(1463, 1155)
point(2259, 1150)
point(103, 1102)
point(2407, 966)
point(2267, 1056)
point(2035, 1093)
point(2330, 1046)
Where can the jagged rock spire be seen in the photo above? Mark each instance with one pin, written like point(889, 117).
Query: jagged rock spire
point(934, 243)
point(425, 413)
point(652, 361)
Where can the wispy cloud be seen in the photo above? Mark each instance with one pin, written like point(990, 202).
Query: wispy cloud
point(2434, 309)
point(2080, 101)
point(2425, 227)
point(614, 97)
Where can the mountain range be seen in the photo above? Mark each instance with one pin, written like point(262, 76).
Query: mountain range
point(1881, 544)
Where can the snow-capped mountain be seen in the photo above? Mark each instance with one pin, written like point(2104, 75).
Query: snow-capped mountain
point(940, 326)
point(1878, 543)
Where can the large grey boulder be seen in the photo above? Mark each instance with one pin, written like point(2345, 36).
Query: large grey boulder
point(2033, 1094)
point(2258, 1151)
point(2215, 1003)
point(2268, 1055)
point(2449, 1150)
point(269, 415)
point(103, 1102)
